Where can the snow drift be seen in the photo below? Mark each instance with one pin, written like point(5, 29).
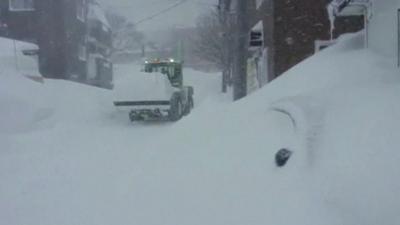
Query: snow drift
point(13, 60)
point(337, 112)
point(141, 86)
point(17, 113)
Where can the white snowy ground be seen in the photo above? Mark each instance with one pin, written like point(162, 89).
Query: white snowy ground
point(67, 157)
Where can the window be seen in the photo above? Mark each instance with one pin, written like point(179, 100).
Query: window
point(21, 5)
point(82, 52)
point(80, 10)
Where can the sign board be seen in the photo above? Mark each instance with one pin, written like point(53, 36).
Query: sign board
point(256, 37)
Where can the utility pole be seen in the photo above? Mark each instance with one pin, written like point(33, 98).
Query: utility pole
point(16, 56)
point(240, 75)
point(223, 11)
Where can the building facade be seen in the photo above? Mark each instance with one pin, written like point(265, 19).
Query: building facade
point(284, 33)
point(71, 44)
point(293, 29)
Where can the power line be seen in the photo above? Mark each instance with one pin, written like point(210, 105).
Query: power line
point(136, 5)
point(161, 12)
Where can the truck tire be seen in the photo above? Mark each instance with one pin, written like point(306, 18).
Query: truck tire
point(191, 102)
point(133, 117)
point(189, 106)
point(176, 109)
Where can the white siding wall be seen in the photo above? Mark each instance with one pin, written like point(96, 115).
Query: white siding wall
point(383, 28)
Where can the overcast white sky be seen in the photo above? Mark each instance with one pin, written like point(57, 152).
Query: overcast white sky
point(183, 15)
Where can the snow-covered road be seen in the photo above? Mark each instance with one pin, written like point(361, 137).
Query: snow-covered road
point(68, 157)
point(83, 162)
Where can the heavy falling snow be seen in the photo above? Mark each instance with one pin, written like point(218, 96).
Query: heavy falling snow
point(68, 157)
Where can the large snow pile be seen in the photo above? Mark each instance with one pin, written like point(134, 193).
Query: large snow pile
point(131, 84)
point(338, 113)
point(142, 86)
point(16, 111)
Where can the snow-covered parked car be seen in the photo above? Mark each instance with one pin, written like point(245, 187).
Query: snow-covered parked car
point(17, 57)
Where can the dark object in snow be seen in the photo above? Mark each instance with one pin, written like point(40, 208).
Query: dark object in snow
point(282, 156)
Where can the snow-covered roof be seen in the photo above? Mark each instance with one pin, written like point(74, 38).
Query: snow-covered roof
point(349, 7)
point(96, 12)
point(142, 86)
point(258, 26)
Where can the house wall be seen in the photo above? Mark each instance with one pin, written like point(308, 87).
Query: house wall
point(383, 28)
point(96, 30)
point(51, 39)
point(292, 27)
point(22, 25)
point(297, 25)
point(50, 26)
point(61, 35)
point(55, 27)
point(75, 32)
point(99, 50)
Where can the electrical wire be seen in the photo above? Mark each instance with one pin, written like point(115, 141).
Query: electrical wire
point(136, 5)
point(160, 12)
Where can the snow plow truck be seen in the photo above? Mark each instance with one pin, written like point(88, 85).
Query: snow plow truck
point(159, 93)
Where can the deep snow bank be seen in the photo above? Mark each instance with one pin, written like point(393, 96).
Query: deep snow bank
point(141, 86)
point(18, 112)
point(344, 103)
point(132, 84)
point(217, 166)
point(345, 98)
